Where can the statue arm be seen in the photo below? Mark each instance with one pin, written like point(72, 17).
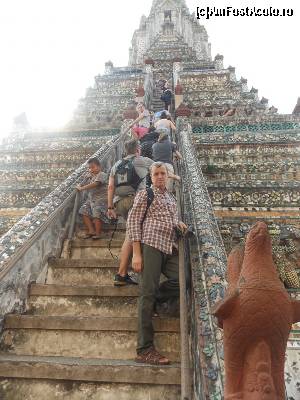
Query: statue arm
point(223, 308)
point(234, 267)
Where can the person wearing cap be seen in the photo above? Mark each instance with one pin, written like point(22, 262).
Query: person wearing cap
point(157, 115)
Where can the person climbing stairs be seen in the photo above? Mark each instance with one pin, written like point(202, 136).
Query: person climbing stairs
point(77, 339)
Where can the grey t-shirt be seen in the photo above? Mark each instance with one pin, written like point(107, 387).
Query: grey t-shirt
point(141, 165)
point(98, 194)
point(163, 151)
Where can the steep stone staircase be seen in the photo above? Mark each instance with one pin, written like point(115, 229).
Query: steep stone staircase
point(157, 103)
point(77, 339)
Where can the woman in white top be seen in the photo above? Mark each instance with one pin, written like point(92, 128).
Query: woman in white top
point(164, 124)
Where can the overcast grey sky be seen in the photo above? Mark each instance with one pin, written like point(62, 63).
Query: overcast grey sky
point(52, 49)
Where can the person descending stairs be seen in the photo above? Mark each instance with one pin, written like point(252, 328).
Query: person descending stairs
point(77, 339)
point(78, 336)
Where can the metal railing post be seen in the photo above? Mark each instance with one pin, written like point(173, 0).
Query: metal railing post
point(74, 214)
point(67, 246)
point(186, 384)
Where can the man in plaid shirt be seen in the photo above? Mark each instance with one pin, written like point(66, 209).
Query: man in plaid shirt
point(154, 252)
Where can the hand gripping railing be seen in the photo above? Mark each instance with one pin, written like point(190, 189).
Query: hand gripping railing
point(208, 260)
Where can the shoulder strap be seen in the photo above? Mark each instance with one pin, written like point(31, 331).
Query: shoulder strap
point(120, 163)
point(139, 178)
point(150, 198)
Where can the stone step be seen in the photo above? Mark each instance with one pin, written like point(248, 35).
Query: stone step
point(106, 338)
point(61, 263)
point(92, 291)
point(100, 243)
point(100, 249)
point(82, 272)
point(14, 321)
point(106, 229)
point(47, 389)
point(156, 100)
point(46, 378)
point(95, 252)
point(104, 301)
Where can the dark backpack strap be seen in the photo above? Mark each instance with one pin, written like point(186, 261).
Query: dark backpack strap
point(122, 163)
point(150, 198)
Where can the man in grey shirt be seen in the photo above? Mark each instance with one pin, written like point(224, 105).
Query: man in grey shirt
point(121, 198)
point(120, 201)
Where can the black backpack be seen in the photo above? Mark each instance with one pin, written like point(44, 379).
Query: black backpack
point(166, 96)
point(126, 175)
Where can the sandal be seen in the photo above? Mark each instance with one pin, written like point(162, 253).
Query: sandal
point(88, 235)
point(151, 356)
point(96, 237)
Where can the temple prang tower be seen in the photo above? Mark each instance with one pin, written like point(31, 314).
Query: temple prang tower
point(248, 150)
point(249, 153)
point(172, 19)
point(170, 44)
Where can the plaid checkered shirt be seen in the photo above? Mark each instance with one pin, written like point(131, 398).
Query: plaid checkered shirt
point(158, 227)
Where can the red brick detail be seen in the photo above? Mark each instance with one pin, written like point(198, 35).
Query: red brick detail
point(183, 111)
point(178, 89)
point(149, 61)
point(140, 91)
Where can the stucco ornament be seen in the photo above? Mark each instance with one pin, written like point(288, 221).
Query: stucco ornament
point(256, 315)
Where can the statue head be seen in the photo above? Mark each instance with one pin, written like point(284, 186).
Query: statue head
point(258, 238)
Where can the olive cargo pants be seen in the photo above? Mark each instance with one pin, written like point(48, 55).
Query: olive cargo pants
point(155, 262)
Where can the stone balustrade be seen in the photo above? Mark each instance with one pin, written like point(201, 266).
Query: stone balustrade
point(208, 259)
